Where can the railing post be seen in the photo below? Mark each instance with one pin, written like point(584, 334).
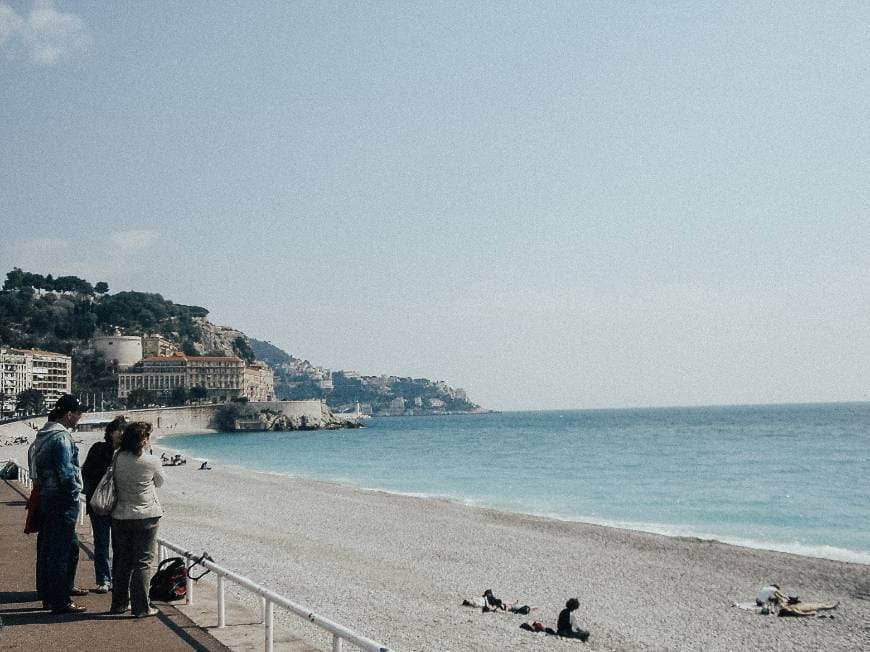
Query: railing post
point(189, 583)
point(221, 609)
point(270, 626)
point(336, 643)
point(262, 610)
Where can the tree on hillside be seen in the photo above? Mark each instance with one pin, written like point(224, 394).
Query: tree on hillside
point(91, 375)
point(101, 288)
point(243, 350)
point(140, 397)
point(178, 396)
point(30, 401)
point(198, 393)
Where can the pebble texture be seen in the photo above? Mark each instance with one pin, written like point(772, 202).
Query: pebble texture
point(396, 568)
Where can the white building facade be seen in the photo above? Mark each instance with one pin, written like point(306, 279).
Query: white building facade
point(20, 369)
point(223, 377)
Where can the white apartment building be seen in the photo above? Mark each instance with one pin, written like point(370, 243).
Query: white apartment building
point(21, 369)
point(224, 377)
point(259, 382)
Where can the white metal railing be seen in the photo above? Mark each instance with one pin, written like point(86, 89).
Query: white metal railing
point(269, 599)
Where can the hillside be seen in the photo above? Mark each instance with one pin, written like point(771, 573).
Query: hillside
point(62, 314)
point(296, 378)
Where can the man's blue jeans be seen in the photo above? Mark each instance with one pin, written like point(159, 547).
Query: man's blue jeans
point(102, 527)
point(59, 548)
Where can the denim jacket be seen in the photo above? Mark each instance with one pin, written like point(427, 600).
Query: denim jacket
point(54, 461)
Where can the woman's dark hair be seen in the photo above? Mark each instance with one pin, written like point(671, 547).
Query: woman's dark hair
point(572, 604)
point(117, 423)
point(134, 436)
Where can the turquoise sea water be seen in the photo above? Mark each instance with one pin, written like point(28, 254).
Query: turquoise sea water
point(793, 478)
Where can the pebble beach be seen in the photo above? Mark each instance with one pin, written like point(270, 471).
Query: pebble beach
point(396, 568)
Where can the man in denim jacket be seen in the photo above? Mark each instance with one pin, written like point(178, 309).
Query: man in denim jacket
point(54, 463)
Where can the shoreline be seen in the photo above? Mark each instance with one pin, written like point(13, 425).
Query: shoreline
point(840, 555)
point(835, 553)
point(396, 568)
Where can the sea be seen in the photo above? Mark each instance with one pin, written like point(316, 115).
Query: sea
point(792, 478)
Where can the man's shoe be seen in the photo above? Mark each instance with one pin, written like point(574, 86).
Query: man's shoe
point(119, 610)
point(151, 612)
point(76, 591)
point(102, 588)
point(71, 608)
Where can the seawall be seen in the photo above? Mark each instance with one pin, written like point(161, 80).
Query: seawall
point(176, 420)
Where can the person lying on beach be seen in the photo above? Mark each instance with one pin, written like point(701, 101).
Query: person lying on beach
point(771, 600)
point(537, 627)
point(488, 602)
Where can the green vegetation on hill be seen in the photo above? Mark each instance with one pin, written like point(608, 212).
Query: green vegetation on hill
point(57, 314)
point(62, 314)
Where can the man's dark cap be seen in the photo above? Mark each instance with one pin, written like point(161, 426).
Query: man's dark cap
point(69, 403)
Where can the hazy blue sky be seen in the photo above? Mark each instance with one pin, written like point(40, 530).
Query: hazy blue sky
point(550, 204)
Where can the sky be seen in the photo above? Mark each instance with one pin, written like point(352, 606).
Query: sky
point(552, 205)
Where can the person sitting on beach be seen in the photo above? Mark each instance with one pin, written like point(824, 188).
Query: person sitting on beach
point(769, 594)
point(204, 466)
point(492, 602)
point(567, 626)
point(164, 458)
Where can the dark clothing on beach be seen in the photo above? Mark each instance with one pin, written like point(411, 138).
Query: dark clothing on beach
point(98, 460)
point(568, 629)
point(491, 601)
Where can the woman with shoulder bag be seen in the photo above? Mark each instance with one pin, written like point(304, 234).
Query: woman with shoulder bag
point(98, 460)
point(134, 521)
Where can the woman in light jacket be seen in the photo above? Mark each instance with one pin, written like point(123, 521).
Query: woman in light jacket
point(134, 521)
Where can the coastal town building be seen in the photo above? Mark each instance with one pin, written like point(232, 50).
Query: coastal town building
point(123, 351)
point(223, 377)
point(20, 369)
point(154, 346)
point(259, 382)
point(120, 351)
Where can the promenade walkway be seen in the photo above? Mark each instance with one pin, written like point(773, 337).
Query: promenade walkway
point(26, 626)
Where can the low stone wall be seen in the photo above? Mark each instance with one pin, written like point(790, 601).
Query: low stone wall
point(178, 420)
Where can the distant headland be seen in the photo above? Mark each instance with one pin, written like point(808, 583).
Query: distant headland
point(136, 349)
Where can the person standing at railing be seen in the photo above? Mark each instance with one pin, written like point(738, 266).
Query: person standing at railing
point(54, 465)
point(134, 521)
point(98, 460)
